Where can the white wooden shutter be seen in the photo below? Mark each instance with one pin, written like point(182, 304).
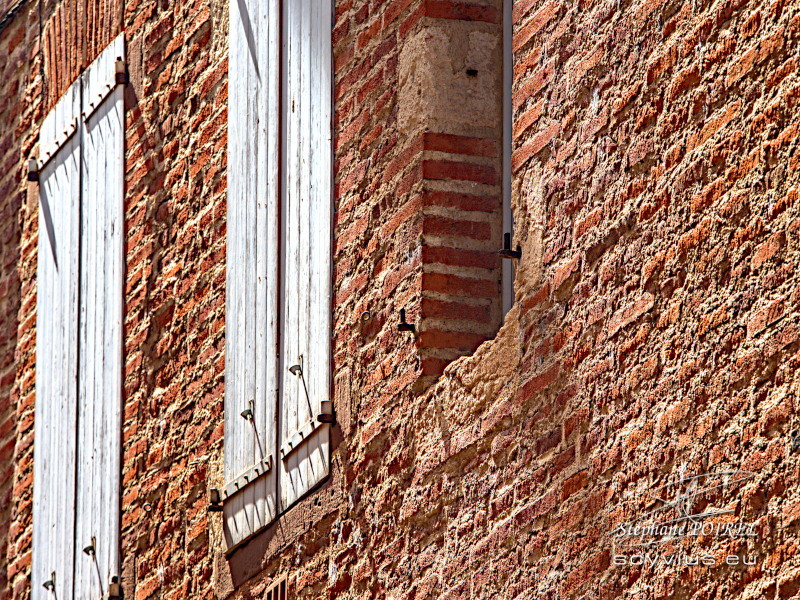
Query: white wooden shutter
point(251, 369)
point(307, 222)
point(56, 349)
point(100, 337)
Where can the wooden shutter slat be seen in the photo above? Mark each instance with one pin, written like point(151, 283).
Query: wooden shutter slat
point(269, 285)
point(291, 384)
point(304, 248)
point(308, 242)
point(100, 361)
point(305, 202)
point(235, 434)
point(258, 260)
point(249, 272)
point(320, 229)
point(238, 190)
point(251, 335)
point(56, 351)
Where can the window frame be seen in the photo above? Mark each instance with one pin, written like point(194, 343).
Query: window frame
point(508, 266)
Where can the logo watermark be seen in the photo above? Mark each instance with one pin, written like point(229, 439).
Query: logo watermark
point(683, 511)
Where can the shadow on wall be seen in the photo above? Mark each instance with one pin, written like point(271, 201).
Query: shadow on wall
point(174, 299)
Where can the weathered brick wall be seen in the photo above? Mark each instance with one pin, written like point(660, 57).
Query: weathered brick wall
point(655, 323)
point(653, 332)
point(655, 175)
point(20, 87)
point(73, 33)
point(176, 114)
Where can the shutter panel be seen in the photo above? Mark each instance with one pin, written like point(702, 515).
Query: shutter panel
point(305, 453)
point(56, 349)
point(252, 268)
point(100, 337)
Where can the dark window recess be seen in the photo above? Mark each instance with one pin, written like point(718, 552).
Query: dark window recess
point(277, 591)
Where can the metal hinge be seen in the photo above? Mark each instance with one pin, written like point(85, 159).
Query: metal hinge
point(404, 325)
point(33, 170)
point(115, 589)
point(121, 72)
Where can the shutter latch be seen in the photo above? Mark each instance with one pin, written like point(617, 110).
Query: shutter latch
point(507, 252)
point(91, 552)
point(214, 500)
point(404, 325)
point(50, 584)
point(248, 415)
point(297, 371)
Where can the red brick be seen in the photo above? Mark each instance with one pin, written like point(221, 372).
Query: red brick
point(446, 169)
point(456, 257)
point(574, 484)
point(768, 249)
point(459, 340)
point(467, 202)
point(453, 284)
point(462, 11)
point(439, 309)
point(442, 226)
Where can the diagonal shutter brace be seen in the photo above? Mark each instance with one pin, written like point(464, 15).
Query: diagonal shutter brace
point(49, 151)
point(114, 587)
point(297, 371)
point(120, 78)
point(300, 436)
point(91, 552)
point(325, 414)
point(260, 468)
point(96, 102)
point(249, 415)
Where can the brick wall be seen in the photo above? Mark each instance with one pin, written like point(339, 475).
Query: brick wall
point(655, 176)
point(175, 292)
point(20, 86)
point(73, 34)
point(652, 332)
point(654, 326)
point(418, 110)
